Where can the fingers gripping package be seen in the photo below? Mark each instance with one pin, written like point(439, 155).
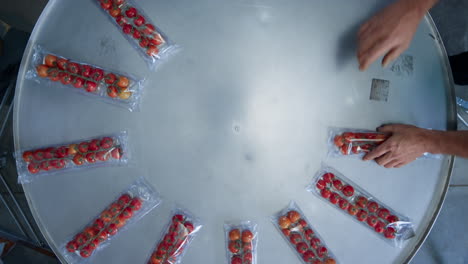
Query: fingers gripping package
point(341, 193)
point(110, 86)
point(354, 142)
point(108, 150)
point(241, 243)
point(130, 206)
point(176, 238)
point(302, 238)
point(136, 26)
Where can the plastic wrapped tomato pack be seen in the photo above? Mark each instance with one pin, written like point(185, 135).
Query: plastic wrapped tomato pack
point(302, 237)
point(176, 238)
point(128, 207)
point(153, 45)
point(341, 193)
point(108, 85)
point(107, 150)
point(345, 142)
point(241, 243)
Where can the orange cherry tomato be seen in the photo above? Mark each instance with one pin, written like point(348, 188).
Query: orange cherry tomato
point(234, 234)
point(50, 60)
point(123, 82)
point(42, 70)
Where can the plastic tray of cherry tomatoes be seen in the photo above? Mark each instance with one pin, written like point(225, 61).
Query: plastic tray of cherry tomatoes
point(107, 150)
point(241, 243)
point(302, 237)
point(139, 30)
point(176, 238)
point(345, 142)
point(346, 196)
point(130, 206)
point(108, 85)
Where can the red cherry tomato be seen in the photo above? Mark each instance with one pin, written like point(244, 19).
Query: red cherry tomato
point(50, 60)
point(352, 209)
point(334, 198)
point(78, 159)
point(361, 201)
point(62, 63)
point(236, 260)
point(98, 223)
point(97, 74)
point(372, 220)
point(247, 246)
point(131, 12)
point(152, 50)
point(110, 78)
point(148, 29)
point(73, 67)
point(344, 204)
point(294, 216)
point(390, 233)
point(156, 40)
point(86, 251)
point(383, 213)
point(295, 238)
point(393, 218)
point(28, 156)
point(247, 236)
point(86, 70)
point(338, 184)
point(286, 232)
point(72, 246)
point(127, 29)
point(83, 147)
point(124, 199)
point(348, 190)
point(308, 233)
point(116, 153)
point(315, 242)
point(361, 215)
point(139, 21)
point(189, 226)
point(136, 34)
point(302, 223)
point(338, 140)
point(301, 247)
point(42, 71)
point(94, 145)
point(112, 229)
point(107, 142)
point(328, 177)
point(308, 256)
point(326, 193)
point(54, 74)
point(379, 227)
point(66, 78)
point(112, 91)
point(372, 207)
point(234, 246)
point(115, 12)
point(321, 184)
point(106, 4)
point(102, 155)
point(33, 168)
point(248, 257)
point(322, 251)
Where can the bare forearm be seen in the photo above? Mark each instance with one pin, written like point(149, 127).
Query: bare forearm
point(451, 143)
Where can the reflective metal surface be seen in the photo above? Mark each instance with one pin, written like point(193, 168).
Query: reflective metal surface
point(235, 125)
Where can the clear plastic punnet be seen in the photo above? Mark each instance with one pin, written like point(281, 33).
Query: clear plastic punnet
point(340, 192)
point(126, 209)
point(302, 237)
point(346, 142)
point(241, 243)
point(101, 151)
point(110, 86)
point(176, 238)
point(152, 44)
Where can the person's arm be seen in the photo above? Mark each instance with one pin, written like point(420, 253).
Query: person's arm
point(389, 32)
point(407, 143)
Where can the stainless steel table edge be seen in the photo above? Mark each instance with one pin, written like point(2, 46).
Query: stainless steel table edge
point(23, 68)
point(451, 125)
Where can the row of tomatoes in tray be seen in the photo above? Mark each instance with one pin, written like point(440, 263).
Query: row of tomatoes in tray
point(83, 76)
point(356, 143)
point(172, 244)
point(301, 236)
point(108, 224)
point(364, 209)
point(85, 152)
point(133, 23)
point(240, 246)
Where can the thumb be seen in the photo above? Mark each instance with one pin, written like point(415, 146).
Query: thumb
point(387, 128)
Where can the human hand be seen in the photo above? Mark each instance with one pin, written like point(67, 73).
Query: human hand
point(390, 31)
point(404, 145)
